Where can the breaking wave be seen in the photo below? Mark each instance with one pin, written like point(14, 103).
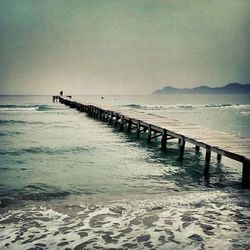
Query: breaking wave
point(245, 113)
point(186, 106)
point(37, 191)
point(24, 108)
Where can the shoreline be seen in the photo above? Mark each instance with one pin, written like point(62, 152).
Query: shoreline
point(117, 224)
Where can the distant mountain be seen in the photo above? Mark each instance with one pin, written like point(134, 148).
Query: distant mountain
point(231, 88)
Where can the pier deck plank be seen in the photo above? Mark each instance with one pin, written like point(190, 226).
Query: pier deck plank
point(188, 130)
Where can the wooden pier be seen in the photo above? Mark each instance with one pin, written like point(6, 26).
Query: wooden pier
point(223, 144)
point(55, 98)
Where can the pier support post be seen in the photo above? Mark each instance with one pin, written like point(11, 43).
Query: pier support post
point(149, 133)
point(164, 140)
point(246, 174)
point(122, 123)
point(197, 149)
point(207, 160)
point(181, 148)
point(219, 157)
point(111, 117)
point(129, 125)
point(100, 114)
point(107, 116)
point(138, 131)
point(116, 119)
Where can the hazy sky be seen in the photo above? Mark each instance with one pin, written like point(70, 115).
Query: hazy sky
point(122, 46)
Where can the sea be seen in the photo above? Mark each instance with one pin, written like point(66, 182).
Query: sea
point(69, 181)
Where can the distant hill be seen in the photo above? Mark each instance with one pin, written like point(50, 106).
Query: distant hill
point(231, 88)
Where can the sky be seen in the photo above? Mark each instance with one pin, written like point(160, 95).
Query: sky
point(122, 46)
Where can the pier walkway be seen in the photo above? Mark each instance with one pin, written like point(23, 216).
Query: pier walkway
point(223, 144)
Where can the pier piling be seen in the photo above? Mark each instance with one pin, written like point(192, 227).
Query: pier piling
point(207, 160)
point(129, 125)
point(197, 149)
point(149, 133)
point(181, 148)
point(122, 123)
point(138, 129)
point(246, 174)
point(164, 140)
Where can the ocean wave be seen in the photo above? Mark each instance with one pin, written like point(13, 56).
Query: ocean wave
point(47, 150)
point(10, 122)
point(186, 106)
point(245, 113)
point(24, 108)
point(36, 191)
point(10, 133)
point(229, 106)
point(42, 191)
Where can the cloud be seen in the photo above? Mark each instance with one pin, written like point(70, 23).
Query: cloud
point(121, 47)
